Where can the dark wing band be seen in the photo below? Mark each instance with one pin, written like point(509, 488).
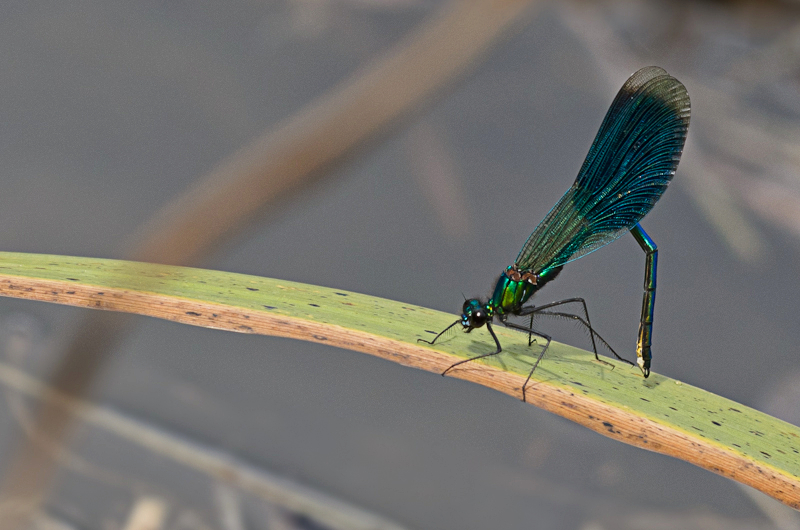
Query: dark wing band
point(632, 160)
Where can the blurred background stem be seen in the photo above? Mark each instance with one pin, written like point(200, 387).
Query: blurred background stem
point(264, 175)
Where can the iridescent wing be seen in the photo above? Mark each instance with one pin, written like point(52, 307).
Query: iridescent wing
point(631, 162)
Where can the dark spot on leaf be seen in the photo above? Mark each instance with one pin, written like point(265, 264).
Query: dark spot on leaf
point(576, 383)
point(73, 279)
point(245, 328)
point(765, 454)
point(252, 289)
point(313, 305)
point(643, 399)
point(101, 293)
point(70, 292)
point(320, 337)
point(270, 307)
point(673, 408)
point(342, 294)
point(716, 423)
point(757, 433)
point(735, 410)
point(431, 332)
point(193, 314)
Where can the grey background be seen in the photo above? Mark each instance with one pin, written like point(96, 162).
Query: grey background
point(110, 109)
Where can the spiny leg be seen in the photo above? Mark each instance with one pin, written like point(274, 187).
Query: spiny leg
point(538, 360)
point(643, 353)
point(542, 310)
point(440, 334)
point(590, 329)
point(497, 342)
point(532, 310)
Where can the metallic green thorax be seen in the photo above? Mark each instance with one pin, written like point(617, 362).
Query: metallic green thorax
point(515, 287)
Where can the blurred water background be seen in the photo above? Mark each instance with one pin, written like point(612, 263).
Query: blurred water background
point(108, 110)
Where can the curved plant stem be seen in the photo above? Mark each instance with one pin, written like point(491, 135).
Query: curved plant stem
point(658, 414)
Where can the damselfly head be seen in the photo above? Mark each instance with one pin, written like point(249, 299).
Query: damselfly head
point(474, 315)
